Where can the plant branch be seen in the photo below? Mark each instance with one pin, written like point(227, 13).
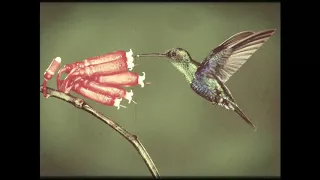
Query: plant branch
point(133, 139)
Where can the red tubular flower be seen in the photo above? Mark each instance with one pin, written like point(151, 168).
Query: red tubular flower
point(126, 79)
point(49, 73)
point(110, 90)
point(117, 55)
point(90, 93)
point(108, 68)
point(111, 63)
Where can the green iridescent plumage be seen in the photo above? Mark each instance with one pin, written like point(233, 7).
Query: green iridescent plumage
point(208, 78)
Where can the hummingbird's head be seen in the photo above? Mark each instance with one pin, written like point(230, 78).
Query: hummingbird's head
point(178, 55)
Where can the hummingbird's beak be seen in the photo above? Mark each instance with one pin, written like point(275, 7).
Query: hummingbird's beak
point(152, 55)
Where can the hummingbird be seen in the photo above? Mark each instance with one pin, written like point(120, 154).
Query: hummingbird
point(208, 78)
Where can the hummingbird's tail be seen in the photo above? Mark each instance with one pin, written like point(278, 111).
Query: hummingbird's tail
point(241, 113)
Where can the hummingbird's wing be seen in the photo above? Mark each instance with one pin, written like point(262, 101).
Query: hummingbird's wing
point(235, 38)
point(230, 55)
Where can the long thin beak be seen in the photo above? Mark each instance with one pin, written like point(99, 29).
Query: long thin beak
point(152, 55)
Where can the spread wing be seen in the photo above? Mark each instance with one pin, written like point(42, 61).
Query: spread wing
point(230, 55)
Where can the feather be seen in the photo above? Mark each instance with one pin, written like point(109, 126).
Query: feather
point(230, 55)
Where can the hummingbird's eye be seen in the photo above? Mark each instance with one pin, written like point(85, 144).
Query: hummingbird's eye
point(173, 54)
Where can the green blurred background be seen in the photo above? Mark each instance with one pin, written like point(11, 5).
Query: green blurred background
point(184, 134)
